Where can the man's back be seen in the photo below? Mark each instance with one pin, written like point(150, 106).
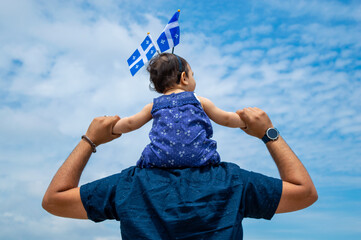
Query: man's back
point(193, 203)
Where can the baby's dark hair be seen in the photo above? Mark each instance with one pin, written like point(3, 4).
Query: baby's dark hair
point(165, 70)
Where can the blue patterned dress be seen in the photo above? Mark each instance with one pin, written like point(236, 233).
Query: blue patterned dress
point(181, 134)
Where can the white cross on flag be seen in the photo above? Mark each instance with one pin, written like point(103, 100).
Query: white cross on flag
point(142, 55)
point(170, 36)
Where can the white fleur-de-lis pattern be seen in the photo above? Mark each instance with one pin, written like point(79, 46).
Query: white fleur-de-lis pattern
point(180, 135)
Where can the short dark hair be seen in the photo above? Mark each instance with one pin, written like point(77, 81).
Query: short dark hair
point(165, 70)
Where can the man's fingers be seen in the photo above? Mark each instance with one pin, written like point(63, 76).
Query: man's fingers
point(244, 114)
point(109, 120)
point(114, 136)
point(117, 117)
point(114, 120)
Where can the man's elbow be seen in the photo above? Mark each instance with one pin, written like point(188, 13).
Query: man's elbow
point(311, 196)
point(314, 195)
point(48, 204)
point(296, 197)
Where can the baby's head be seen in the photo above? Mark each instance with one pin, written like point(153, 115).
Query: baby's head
point(166, 70)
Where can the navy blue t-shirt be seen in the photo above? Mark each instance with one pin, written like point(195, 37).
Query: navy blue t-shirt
point(192, 203)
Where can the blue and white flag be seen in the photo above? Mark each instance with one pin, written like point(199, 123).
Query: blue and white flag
point(142, 55)
point(170, 36)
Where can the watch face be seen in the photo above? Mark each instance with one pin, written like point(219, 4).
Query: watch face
point(272, 133)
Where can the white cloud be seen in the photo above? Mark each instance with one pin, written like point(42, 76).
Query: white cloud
point(325, 10)
point(74, 68)
point(262, 29)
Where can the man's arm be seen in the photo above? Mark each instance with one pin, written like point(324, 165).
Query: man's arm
point(62, 197)
point(298, 189)
point(228, 119)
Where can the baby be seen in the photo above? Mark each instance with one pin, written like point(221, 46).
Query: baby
point(181, 132)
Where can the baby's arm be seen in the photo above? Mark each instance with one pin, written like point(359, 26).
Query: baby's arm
point(228, 119)
point(134, 122)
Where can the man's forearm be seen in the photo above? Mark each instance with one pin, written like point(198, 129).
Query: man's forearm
point(296, 179)
point(69, 173)
point(67, 177)
point(290, 167)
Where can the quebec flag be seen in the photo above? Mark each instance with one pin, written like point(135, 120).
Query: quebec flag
point(142, 55)
point(170, 36)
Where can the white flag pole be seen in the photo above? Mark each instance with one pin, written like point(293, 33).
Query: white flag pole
point(155, 46)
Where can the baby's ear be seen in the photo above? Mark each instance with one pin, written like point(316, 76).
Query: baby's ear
point(183, 79)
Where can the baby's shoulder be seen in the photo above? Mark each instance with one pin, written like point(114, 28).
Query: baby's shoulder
point(204, 101)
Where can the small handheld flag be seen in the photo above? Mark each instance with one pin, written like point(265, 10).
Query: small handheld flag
point(170, 36)
point(142, 55)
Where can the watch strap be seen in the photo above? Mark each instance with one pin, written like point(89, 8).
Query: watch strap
point(266, 139)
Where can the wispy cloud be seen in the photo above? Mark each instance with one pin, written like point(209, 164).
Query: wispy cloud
point(319, 9)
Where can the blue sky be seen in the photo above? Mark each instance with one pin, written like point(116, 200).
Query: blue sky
point(62, 63)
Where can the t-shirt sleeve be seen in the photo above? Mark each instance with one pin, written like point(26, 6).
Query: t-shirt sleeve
point(98, 198)
point(261, 196)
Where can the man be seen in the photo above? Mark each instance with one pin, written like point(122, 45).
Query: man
point(190, 203)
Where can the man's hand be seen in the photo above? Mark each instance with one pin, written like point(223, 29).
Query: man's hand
point(101, 130)
point(256, 120)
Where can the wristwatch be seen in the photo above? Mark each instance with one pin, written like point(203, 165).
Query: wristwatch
point(272, 134)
